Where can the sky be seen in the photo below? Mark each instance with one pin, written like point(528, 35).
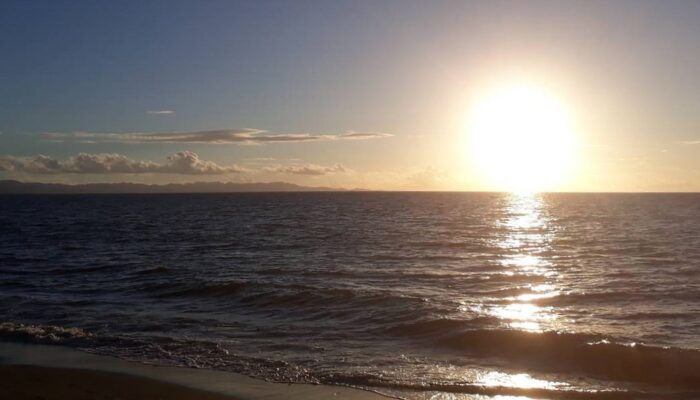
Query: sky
point(355, 94)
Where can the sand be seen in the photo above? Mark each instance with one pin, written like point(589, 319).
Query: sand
point(32, 382)
point(32, 371)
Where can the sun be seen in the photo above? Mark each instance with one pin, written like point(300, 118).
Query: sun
point(521, 139)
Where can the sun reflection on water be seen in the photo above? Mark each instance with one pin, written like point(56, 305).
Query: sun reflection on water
point(522, 381)
point(525, 238)
point(523, 244)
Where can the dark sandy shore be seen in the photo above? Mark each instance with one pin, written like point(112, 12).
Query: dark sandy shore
point(47, 372)
point(22, 382)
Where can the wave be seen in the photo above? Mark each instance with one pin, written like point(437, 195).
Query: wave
point(574, 353)
point(157, 350)
point(287, 295)
point(580, 353)
point(15, 283)
point(671, 372)
point(438, 327)
point(48, 334)
point(337, 302)
point(217, 289)
point(152, 271)
point(616, 297)
point(400, 389)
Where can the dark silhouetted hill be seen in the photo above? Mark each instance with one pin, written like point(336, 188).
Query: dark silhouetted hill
point(16, 187)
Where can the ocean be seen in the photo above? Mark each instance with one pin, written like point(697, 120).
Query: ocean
point(414, 295)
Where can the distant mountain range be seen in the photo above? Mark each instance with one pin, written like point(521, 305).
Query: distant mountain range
point(16, 187)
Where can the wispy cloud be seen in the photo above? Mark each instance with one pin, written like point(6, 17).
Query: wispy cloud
point(224, 136)
point(307, 169)
point(362, 135)
point(161, 112)
point(184, 162)
point(691, 142)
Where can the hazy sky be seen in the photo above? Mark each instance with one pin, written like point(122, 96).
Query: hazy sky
point(372, 94)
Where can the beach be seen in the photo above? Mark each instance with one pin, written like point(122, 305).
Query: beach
point(32, 382)
point(30, 371)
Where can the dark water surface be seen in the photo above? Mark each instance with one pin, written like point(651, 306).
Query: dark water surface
point(421, 295)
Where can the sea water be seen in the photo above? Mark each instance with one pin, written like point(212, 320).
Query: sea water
point(417, 295)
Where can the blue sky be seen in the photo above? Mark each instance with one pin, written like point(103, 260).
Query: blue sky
point(402, 72)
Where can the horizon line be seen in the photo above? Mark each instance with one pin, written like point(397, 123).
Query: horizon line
point(308, 189)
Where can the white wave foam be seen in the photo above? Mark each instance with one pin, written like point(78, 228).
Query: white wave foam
point(41, 333)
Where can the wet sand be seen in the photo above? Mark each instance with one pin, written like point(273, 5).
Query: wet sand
point(46, 372)
point(31, 382)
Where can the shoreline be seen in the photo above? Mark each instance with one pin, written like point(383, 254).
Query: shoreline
point(22, 382)
point(50, 372)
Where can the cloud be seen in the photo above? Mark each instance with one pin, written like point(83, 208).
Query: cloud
point(184, 162)
point(691, 142)
point(224, 136)
point(161, 112)
point(362, 135)
point(307, 169)
point(430, 178)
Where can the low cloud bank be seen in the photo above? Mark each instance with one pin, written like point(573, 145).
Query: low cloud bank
point(184, 162)
point(307, 169)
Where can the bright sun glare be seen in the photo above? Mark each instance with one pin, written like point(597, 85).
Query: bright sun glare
point(521, 139)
